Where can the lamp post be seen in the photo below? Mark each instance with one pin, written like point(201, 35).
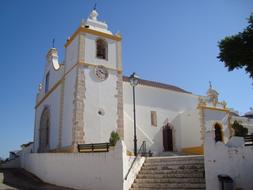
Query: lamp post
point(134, 80)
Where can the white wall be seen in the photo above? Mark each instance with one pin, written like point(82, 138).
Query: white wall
point(99, 95)
point(93, 171)
point(53, 103)
point(235, 162)
point(170, 107)
point(190, 129)
point(68, 108)
point(81, 171)
point(71, 54)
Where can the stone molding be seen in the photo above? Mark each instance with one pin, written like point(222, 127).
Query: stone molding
point(79, 96)
point(120, 121)
point(78, 117)
point(202, 121)
point(119, 88)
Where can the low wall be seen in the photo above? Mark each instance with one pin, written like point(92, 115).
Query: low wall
point(92, 171)
point(235, 162)
point(79, 171)
point(134, 170)
point(13, 163)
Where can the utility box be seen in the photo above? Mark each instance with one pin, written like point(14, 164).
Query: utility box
point(226, 182)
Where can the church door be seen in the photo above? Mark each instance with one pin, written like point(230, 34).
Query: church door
point(167, 138)
point(44, 131)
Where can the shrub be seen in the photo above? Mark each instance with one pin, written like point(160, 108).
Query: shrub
point(114, 138)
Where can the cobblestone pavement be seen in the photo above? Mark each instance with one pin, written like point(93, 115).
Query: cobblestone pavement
point(19, 179)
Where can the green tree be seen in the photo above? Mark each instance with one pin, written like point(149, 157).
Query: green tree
point(237, 51)
point(239, 130)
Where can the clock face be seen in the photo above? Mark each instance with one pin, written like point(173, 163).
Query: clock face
point(101, 72)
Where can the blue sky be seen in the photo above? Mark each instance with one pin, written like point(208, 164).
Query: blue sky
point(170, 41)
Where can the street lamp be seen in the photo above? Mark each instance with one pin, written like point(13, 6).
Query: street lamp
point(134, 80)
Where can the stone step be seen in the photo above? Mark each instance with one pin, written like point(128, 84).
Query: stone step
point(173, 167)
point(172, 171)
point(175, 172)
point(169, 185)
point(171, 180)
point(170, 175)
point(173, 158)
point(171, 162)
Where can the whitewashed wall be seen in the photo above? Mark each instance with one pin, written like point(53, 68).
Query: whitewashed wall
point(190, 128)
point(68, 108)
point(53, 103)
point(81, 171)
point(180, 109)
point(221, 159)
point(93, 171)
point(99, 95)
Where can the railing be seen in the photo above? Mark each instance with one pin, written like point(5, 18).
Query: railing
point(142, 151)
point(248, 140)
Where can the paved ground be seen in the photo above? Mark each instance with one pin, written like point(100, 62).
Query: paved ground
point(19, 179)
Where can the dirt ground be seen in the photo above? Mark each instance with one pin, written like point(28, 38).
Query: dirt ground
point(19, 179)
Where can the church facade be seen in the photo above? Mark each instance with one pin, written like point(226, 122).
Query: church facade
point(86, 97)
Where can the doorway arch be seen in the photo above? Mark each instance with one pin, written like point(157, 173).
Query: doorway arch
point(167, 138)
point(218, 132)
point(44, 131)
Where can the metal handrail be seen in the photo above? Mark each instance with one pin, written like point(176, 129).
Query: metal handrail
point(143, 146)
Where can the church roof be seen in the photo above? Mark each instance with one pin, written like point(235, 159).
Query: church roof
point(158, 85)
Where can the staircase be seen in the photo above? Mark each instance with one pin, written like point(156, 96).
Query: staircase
point(176, 172)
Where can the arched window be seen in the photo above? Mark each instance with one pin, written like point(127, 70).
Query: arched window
point(102, 49)
point(44, 131)
point(218, 132)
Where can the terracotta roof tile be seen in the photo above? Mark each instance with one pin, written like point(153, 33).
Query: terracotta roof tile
point(158, 85)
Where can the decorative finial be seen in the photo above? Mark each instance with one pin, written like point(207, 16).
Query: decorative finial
point(94, 14)
point(95, 7)
point(53, 42)
point(210, 84)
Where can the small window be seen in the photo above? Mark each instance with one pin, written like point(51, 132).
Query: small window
point(154, 118)
point(47, 83)
point(101, 49)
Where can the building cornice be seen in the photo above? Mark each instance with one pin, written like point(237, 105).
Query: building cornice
point(82, 29)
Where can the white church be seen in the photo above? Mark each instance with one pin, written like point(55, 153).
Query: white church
point(82, 100)
point(86, 97)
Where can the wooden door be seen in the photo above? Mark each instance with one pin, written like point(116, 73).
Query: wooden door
point(167, 138)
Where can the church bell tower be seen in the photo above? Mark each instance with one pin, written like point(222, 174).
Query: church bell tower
point(93, 84)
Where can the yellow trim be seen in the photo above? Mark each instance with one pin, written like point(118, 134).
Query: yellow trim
point(93, 32)
point(55, 86)
point(213, 108)
point(94, 65)
point(193, 150)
